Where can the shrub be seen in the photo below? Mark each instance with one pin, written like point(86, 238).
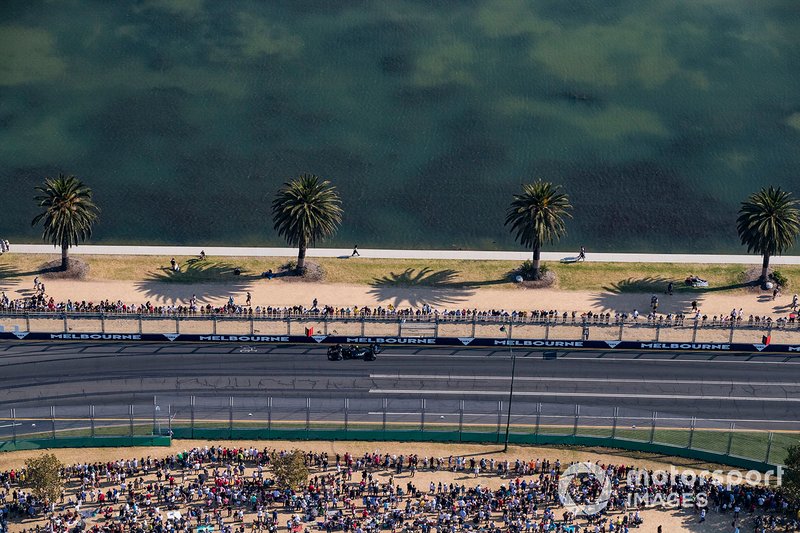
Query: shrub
point(290, 469)
point(44, 477)
point(527, 271)
point(779, 279)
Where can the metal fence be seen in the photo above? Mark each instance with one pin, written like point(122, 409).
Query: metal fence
point(557, 327)
point(739, 443)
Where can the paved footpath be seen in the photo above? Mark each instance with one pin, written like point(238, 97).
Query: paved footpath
point(483, 255)
point(281, 293)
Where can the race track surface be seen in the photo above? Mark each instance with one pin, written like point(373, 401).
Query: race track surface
point(758, 390)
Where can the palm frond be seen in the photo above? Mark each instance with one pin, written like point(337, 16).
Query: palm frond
point(769, 222)
point(306, 209)
point(68, 212)
point(536, 216)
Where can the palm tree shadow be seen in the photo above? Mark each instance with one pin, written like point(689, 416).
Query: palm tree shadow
point(631, 293)
point(9, 277)
point(417, 287)
point(208, 279)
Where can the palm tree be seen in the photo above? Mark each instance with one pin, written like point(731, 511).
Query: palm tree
point(304, 210)
point(537, 217)
point(768, 223)
point(68, 213)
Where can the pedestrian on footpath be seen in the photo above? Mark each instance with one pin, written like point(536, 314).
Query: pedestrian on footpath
point(248, 299)
point(582, 254)
point(794, 302)
point(355, 251)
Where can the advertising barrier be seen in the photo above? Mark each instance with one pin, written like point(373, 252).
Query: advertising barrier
point(471, 342)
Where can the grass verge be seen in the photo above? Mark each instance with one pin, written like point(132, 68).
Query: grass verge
point(612, 277)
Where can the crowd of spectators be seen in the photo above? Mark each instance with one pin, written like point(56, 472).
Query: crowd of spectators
point(40, 302)
point(230, 490)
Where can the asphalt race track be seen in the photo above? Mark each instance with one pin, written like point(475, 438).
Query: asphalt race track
point(758, 390)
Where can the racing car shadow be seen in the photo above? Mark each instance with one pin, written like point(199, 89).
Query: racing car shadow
point(425, 286)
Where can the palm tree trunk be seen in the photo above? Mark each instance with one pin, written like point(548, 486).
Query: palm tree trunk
point(764, 269)
point(301, 258)
point(64, 257)
point(537, 254)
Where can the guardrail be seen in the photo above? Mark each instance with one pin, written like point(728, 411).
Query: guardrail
point(560, 327)
point(745, 444)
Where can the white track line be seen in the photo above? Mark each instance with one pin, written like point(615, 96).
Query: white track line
point(585, 380)
point(468, 393)
point(572, 357)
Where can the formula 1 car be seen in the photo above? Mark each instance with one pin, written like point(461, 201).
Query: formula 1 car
point(367, 353)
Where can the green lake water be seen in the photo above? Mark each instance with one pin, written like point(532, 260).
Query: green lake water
point(186, 115)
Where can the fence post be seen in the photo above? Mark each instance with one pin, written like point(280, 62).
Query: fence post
point(730, 439)
point(155, 409)
point(230, 416)
point(102, 322)
point(308, 415)
point(547, 330)
point(269, 414)
point(385, 407)
point(621, 326)
point(363, 320)
point(288, 325)
point(14, 424)
point(474, 322)
point(27, 322)
point(460, 418)
point(499, 418)
point(436, 327)
point(214, 324)
point(325, 325)
point(733, 326)
point(53, 421)
point(130, 420)
point(653, 427)
point(140, 323)
point(422, 415)
point(694, 332)
point(769, 447)
point(91, 419)
point(177, 325)
point(346, 412)
point(66, 327)
point(399, 327)
point(691, 432)
point(252, 325)
point(658, 332)
point(614, 423)
point(577, 418)
point(169, 420)
point(191, 406)
point(538, 420)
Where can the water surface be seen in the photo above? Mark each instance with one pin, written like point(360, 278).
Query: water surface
point(186, 115)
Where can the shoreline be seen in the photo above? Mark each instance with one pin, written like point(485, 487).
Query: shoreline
point(384, 253)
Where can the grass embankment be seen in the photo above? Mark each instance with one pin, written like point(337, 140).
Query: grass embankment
point(748, 444)
point(614, 277)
